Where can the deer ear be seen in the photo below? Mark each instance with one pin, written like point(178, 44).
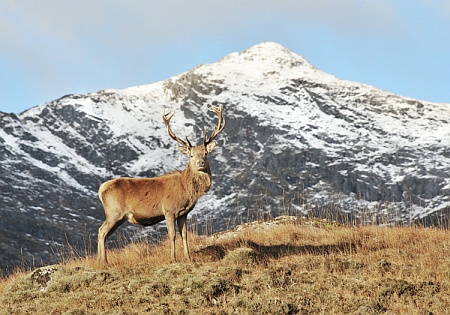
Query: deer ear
point(185, 150)
point(210, 146)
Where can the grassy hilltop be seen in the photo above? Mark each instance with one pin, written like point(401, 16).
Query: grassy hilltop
point(285, 266)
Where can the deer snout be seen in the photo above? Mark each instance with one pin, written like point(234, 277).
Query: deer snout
point(201, 164)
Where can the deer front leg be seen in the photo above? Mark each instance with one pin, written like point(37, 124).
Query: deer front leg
point(182, 228)
point(170, 223)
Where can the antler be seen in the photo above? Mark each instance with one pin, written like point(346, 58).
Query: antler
point(220, 124)
point(166, 118)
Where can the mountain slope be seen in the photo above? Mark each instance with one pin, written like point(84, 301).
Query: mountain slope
point(296, 138)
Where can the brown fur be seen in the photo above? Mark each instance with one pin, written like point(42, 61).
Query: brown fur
point(148, 201)
point(168, 197)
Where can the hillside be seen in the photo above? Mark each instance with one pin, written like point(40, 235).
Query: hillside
point(297, 140)
point(288, 265)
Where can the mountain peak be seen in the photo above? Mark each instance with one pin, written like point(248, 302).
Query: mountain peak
point(270, 52)
point(274, 52)
point(260, 60)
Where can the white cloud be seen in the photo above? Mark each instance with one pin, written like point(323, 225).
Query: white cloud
point(131, 21)
point(347, 17)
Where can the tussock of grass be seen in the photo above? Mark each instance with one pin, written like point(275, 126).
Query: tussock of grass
point(292, 267)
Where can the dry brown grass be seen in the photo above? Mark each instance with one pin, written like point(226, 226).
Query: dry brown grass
point(294, 267)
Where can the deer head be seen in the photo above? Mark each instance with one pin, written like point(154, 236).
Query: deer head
point(198, 154)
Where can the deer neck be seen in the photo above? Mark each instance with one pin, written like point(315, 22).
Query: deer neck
point(197, 182)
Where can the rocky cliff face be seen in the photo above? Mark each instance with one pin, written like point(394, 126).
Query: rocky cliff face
point(296, 140)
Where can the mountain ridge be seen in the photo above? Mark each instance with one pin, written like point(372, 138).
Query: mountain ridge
point(296, 138)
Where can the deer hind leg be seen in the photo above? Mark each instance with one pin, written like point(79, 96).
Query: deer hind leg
point(106, 229)
point(182, 228)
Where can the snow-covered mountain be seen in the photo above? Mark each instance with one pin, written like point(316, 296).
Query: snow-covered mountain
point(297, 140)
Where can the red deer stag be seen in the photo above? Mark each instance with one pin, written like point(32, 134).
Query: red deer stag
point(168, 197)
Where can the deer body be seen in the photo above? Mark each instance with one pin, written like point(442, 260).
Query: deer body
point(169, 197)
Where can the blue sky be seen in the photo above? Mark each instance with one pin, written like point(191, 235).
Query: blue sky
point(50, 48)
